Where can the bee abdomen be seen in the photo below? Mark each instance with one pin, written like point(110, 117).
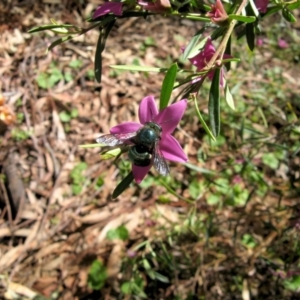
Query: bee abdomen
point(139, 156)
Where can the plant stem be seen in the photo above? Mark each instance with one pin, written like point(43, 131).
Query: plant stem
point(222, 46)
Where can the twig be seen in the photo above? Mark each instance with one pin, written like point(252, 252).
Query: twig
point(222, 46)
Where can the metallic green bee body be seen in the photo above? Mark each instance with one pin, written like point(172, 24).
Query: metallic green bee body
point(145, 149)
point(139, 156)
point(145, 141)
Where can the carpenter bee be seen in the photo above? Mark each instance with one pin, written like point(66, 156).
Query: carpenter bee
point(143, 146)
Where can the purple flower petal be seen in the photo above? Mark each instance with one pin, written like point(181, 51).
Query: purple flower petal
point(202, 58)
point(108, 7)
point(156, 6)
point(139, 173)
point(282, 44)
point(218, 13)
point(170, 116)
point(147, 110)
point(126, 127)
point(261, 5)
point(171, 149)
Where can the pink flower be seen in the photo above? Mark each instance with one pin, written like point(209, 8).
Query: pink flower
point(156, 5)
point(131, 253)
point(108, 7)
point(259, 42)
point(168, 119)
point(261, 5)
point(237, 179)
point(217, 14)
point(203, 57)
point(282, 44)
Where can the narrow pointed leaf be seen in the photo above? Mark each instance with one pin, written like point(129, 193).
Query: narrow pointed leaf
point(272, 10)
point(138, 68)
point(226, 60)
point(193, 42)
point(98, 59)
point(228, 51)
point(90, 146)
point(254, 8)
point(60, 41)
point(206, 128)
point(288, 15)
point(100, 47)
point(250, 36)
point(111, 154)
point(294, 5)
point(123, 185)
point(218, 32)
point(214, 103)
point(244, 19)
point(51, 27)
point(198, 169)
point(167, 86)
point(229, 98)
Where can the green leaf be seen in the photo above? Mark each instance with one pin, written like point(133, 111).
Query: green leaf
point(161, 277)
point(228, 97)
point(136, 68)
point(199, 169)
point(206, 128)
point(226, 60)
point(270, 160)
point(244, 19)
point(55, 77)
point(272, 10)
point(60, 28)
point(74, 113)
point(76, 189)
point(111, 153)
point(228, 51)
point(191, 45)
point(68, 76)
point(254, 8)
point(75, 63)
point(213, 199)
point(42, 80)
point(248, 240)
point(59, 41)
point(126, 288)
point(99, 182)
point(120, 233)
point(218, 32)
point(288, 15)
point(195, 188)
point(149, 41)
point(167, 86)
point(90, 146)
point(98, 58)
point(123, 185)
point(294, 5)
point(293, 283)
point(65, 117)
point(214, 103)
point(250, 36)
point(97, 275)
point(100, 47)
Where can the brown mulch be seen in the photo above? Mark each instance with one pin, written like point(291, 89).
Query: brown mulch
point(50, 236)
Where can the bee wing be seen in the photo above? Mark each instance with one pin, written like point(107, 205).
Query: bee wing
point(115, 139)
point(159, 162)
